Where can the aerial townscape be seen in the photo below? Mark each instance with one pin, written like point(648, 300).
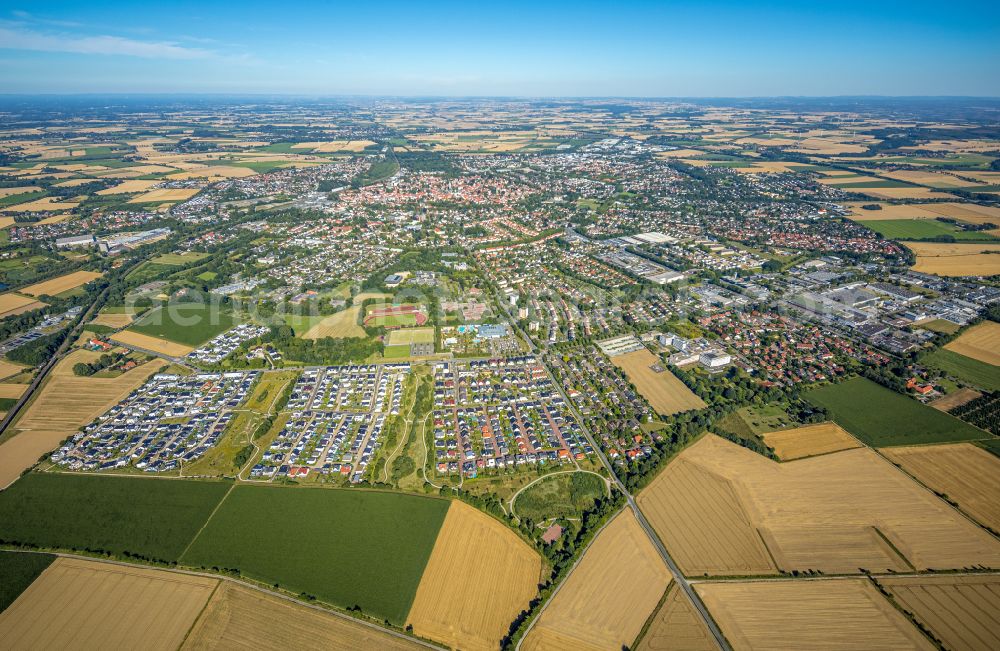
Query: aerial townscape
point(460, 370)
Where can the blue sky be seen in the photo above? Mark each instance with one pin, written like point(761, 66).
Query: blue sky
point(537, 48)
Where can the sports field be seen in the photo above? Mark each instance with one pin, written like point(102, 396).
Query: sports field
point(238, 617)
point(407, 336)
point(676, 626)
point(967, 474)
point(961, 611)
point(724, 510)
point(809, 441)
point(346, 547)
point(154, 518)
point(606, 599)
point(881, 417)
point(61, 284)
point(981, 342)
point(832, 614)
point(665, 393)
point(479, 577)
point(189, 324)
point(395, 316)
point(972, 371)
point(81, 604)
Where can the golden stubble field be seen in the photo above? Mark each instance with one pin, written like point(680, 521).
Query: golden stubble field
point(966, 473)
point(723, 510)
point(665, 393)
point(238, 617)
point(828, 614)
point(676, 627)
point(981, 342)
point(90, 605)
point(608, 596)
point(64, 404)
point(479, 577)
point(11, 304)
point(154, 344)
point(61, 284)
point(810, 441)
point(956, 259)
point(961, 611)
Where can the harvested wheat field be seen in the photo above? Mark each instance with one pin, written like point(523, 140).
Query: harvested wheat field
point(153, 344)
point(826, 614)
point(676, 626)
point(905, 193)
point(948, 259)
point(836, 513)
point(608, 596)
point(64, 404)
point(129, 187)
point(665, 393)
point(166, 194)
point(810, 441)
point(961, 611)
point(12, 390)
point(113, 320)
point(930, 179)
point(8, 369)
point(238, 617)
point(11, 304)
point(479, 577)
point(61, 284)
point(704, 524)
point(90, 605)
point(966, 473)
point(44, 204)
point(955, 399)
point(344, 323)
point(981, 342)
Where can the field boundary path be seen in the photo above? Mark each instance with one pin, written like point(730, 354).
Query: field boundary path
point(682, 581)
point(252, 586)
point(205, 524)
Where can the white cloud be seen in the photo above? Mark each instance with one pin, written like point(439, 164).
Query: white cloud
point(17, 38)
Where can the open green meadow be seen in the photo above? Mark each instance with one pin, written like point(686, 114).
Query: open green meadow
point(346, 547)
point(922, 229)
point(881, 417)
point(191, 324)
point(562, 495)
point(407, 336)
point(179, 259)
point(153, 518)
point(964, 368)
point(17, 571)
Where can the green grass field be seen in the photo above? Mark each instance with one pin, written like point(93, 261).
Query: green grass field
point(881, 183)
point(179, 259)
point(345, 547)
point(17, 571)
point(191, 324)
point(563, 495)
point(392, 320)
point(881, 417)
point(153, 518)
point(396, 352)
point(411, 336)
point(919, 229)
point(965, 368)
